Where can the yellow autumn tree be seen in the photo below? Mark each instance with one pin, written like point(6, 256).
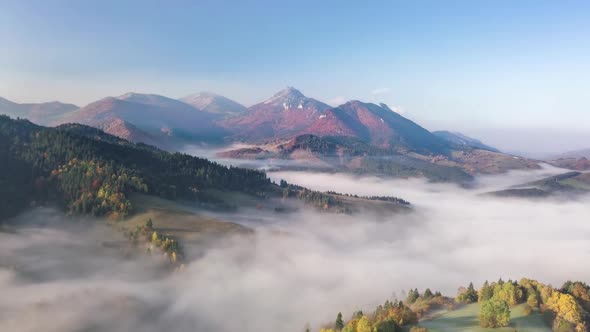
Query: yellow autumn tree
point(364, 325)
point(351, 326)
point(155, 238)
point(565, 306)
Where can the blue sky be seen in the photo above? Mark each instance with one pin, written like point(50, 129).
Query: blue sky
point(473, 66)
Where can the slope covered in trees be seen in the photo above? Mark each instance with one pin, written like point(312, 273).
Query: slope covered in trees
point(91, 172)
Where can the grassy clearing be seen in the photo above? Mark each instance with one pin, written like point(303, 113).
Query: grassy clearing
point(466, 319)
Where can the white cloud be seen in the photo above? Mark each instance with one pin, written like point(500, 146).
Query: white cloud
point(337, 101)
point(398, 109)
point(380, 91)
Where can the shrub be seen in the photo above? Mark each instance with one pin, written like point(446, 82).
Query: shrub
point(494, 313)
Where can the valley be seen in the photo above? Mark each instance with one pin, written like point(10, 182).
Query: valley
point(232, 258)
point(294, 166)
point(285, 195)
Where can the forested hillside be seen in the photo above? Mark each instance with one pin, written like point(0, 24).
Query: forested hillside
point(88, 171)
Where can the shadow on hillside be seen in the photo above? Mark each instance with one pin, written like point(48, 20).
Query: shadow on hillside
point(533, 321)
point(453, 322)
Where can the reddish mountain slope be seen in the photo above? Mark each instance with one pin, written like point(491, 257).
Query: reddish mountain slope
point(287, 113)
point(338, 122)
point(378, 125)
point(152, 114)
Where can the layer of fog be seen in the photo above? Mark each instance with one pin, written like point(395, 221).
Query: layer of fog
point(541, 143)
point(296, 268)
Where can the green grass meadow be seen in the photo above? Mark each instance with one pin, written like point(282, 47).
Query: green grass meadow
point(466, 319)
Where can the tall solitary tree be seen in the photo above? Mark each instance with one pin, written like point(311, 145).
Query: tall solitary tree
point(339, 324)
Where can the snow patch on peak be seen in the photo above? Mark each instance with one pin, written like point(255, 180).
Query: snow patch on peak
point(322, 116)
point(289, 94)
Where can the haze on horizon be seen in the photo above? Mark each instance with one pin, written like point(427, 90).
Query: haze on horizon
point(511, 74)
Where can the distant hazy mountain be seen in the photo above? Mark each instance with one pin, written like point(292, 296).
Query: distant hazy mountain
point(578, 160)
point(584, 153)
point(463, 140)
point(136, 116)
point(286, 113)
point(40, 113)
point(156, 100)
point(213, 103)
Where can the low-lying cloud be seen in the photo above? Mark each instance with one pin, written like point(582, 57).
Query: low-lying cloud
point(298, 268)
point(380, 91)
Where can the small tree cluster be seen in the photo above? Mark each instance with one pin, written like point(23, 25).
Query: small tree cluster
point(147, 234)
point(467, 295)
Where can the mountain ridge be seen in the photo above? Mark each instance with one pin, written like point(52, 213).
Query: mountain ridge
point(161, 118)
point(214, 103)
point(40, 113)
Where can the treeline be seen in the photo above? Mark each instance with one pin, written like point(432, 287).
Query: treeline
point(392, 316)
point(328, 200)
point(317, 199)
point(390, 199)
point(565, 309)
point(88, 171)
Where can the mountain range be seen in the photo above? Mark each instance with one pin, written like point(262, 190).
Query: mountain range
point(356, 131)
point(213, 103)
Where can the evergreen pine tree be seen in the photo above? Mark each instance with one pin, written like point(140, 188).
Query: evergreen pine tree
point(339, 324)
